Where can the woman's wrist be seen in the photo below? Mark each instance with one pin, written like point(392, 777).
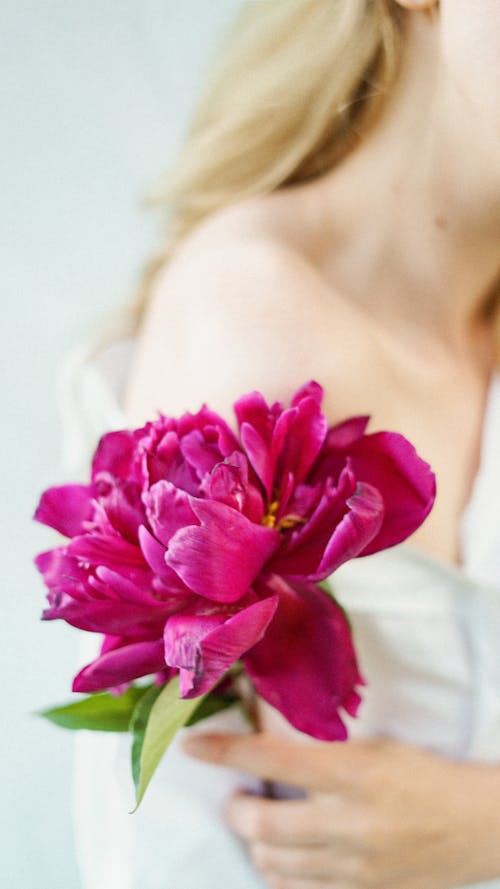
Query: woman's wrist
point(475, 797)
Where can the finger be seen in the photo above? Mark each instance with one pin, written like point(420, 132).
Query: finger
point(279, 822)
point(317, 765)
point(277, 881)
point(303, 862)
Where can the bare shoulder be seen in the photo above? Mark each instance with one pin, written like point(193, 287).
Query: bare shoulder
point(237, 308)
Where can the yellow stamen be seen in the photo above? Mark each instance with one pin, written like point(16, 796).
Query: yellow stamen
point(287, 521)
point(269, 519)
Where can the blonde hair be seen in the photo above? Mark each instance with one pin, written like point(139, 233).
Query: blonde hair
point(296, 84)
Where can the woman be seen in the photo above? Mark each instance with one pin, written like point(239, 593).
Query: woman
point(338, 219)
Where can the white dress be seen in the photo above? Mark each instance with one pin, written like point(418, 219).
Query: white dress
point(428, 639)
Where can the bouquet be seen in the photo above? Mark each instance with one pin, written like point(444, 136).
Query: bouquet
point(199, 553)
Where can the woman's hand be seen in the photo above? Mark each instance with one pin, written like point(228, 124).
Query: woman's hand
point(378, 814)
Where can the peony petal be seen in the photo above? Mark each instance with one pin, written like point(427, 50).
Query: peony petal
point(167, 463)
point(63, 574)
point(102, 549)
point(229, 483)
point(220, 558)
point(115, 617)
point(201, 453)
point(342, 436)
point(207, 418)
point(164, 580)
point(167, 510)
point(304, 547)
point(120, 665)
point(259, 456)
point(324, 548)
point(305, 665)
point(153, 551)
point(115, 454)
point(312, 389)
point(205, 646)
point(125, 588)
point(358, 527)
point(66, 508)
point(122, 504)
point(256, 422)
point(407, 484)
point(253, 410)
point(306, 432)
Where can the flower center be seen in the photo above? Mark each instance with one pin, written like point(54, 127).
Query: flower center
point(288, 521)
point(269, 519)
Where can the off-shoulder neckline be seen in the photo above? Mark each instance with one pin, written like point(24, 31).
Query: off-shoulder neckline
point(119, 353)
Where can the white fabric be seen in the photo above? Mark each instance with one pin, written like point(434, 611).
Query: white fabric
point(428, 639)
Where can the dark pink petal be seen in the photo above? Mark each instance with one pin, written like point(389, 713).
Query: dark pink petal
point(168, 464)
point(120, 665)
point(112, 617)
point(342, 436)
point(225, 484)
point(253, 507)
point(168, 446)
point(115, 454)
point(165, 580)
point(205, 646)
point(220, 558)
point(201, 453)
point(303, 547)
point(252, 409)
point(101, 549)
point(259, 455)
point(167, 510)
point(207, 418)
point(312, 389)
point(355, 525)
point(124, 587)
point(229, 483)
point(226, 439)
point(66, 508)
point(109, 643)
point(153, 551)
point(354, 533)
point(407, 484)
point(281, 438)
point(305, 665)
point(257, 421)
point(305, 433)
point(303, 501)
point(121, 502)
point(63, 574)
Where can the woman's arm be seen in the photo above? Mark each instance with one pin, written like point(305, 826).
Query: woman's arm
point(235, 311)
point(378, 814)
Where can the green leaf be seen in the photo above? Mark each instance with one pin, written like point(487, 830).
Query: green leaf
point(212, 704)
point(101, 712)
point(138, 725)
point(166, 716)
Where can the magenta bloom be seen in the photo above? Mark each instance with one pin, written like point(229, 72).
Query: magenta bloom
point(192, 548)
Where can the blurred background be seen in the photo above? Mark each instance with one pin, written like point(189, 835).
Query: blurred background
point(96, 96)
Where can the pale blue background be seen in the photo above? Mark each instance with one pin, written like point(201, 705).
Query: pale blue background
point(95, 96)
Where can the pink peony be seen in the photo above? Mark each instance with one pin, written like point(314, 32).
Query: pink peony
point(192, 548)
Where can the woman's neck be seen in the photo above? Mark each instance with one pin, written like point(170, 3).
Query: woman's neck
point(408, 225)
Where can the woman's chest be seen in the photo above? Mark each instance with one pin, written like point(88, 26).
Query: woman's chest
point(444, 420)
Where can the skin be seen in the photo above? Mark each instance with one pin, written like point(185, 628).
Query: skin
point(414, 211)
point(378, 814)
